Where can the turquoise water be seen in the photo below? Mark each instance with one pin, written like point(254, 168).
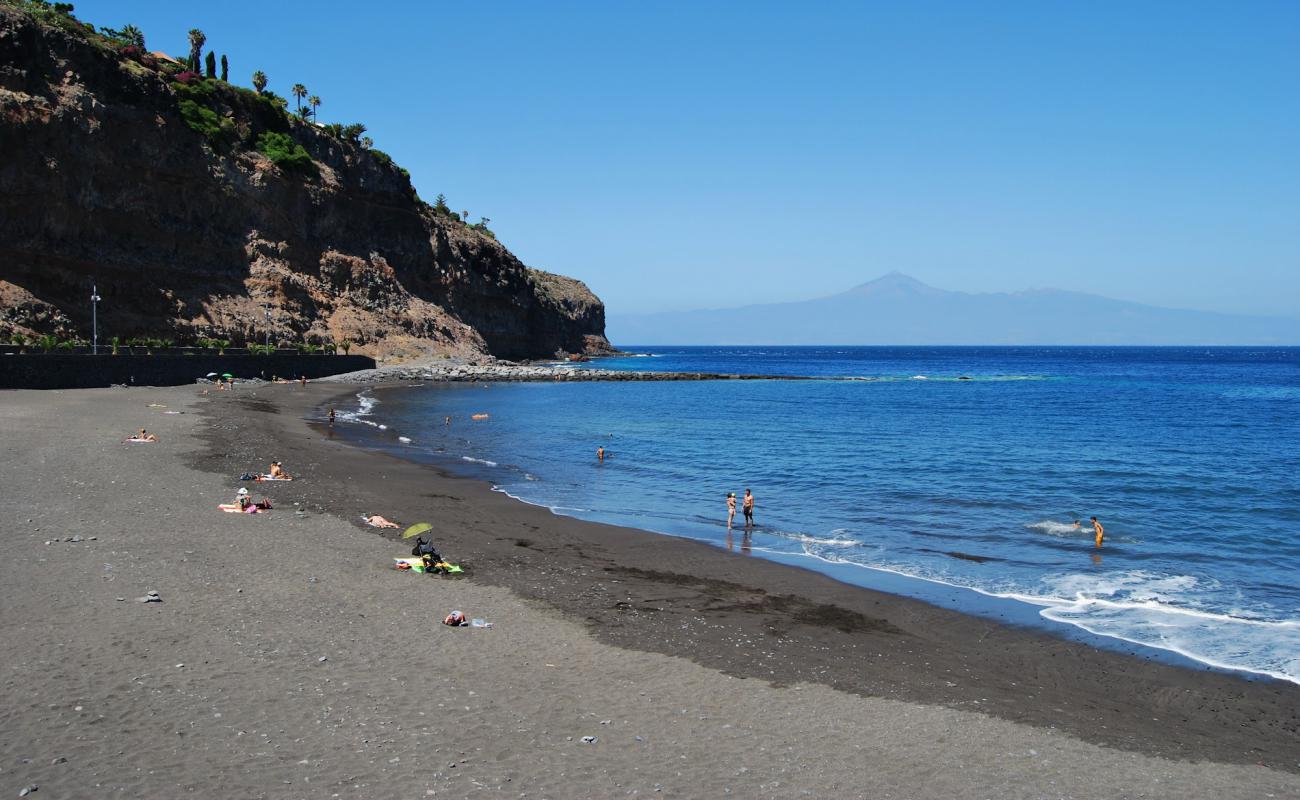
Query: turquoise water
point(963, 467)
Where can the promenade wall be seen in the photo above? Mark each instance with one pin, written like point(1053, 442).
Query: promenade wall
point(74, 371)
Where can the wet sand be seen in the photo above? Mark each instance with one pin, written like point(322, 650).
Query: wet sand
point(702, 673)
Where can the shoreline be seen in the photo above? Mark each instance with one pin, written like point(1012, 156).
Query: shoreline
point(287, 658)
point(812, 619)
point(1012, 609)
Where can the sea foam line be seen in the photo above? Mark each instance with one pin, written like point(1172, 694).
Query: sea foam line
point(1054, 609)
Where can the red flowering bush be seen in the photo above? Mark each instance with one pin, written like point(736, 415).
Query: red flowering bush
point(188, 76)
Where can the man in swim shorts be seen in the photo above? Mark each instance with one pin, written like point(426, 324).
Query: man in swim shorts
point(748, 506)
point(1101, 532)
point(600, 454)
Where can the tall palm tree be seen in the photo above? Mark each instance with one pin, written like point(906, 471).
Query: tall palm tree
point(299, 92)
point(314, 102)
point(133, 35)
point(197, 40)
point(259, 81)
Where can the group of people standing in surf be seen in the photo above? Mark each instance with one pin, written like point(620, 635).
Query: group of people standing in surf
point(747, 506)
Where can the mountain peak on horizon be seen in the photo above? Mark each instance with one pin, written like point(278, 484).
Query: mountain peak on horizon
point(893, 281)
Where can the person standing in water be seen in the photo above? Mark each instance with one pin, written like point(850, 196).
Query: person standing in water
point(731, 508)
point(600, 454)
point(749, 509)
point(1101, 532)
point(331, 418)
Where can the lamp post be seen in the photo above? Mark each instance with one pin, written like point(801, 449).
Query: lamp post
point(94, 319)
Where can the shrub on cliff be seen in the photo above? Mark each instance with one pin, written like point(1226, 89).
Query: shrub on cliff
point(284, 152)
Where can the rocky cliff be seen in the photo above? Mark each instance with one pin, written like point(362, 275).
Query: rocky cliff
point(121, 168)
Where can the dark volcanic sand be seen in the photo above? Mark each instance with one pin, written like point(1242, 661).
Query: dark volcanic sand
point(756, 619)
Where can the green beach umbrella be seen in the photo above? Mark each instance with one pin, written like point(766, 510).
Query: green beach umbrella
point(227, 375)
point(416, 529)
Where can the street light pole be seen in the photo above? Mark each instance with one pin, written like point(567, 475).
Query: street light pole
point(94, 319)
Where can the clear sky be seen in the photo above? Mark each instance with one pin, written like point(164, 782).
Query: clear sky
point(681, 155)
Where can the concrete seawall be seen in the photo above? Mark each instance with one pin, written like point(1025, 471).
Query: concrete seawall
point(70, 371)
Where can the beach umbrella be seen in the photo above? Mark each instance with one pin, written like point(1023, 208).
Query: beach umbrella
point(416, 529)
point(227, 375)
point(212, 374)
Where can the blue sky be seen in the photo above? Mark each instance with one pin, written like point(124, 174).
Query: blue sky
point(681, 155)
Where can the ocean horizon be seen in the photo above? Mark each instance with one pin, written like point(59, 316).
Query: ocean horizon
point(962, 467)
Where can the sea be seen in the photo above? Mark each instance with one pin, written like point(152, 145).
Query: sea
point(951, 471)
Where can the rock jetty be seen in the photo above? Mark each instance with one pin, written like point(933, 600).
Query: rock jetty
point(510, 372)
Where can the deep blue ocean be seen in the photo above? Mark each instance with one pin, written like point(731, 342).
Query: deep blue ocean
point(959, 466)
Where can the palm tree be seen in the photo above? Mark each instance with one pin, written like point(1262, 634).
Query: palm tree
point(314, 102)
point(259, 81)
point(197, 40)
point(299, 92)
point(133, 35)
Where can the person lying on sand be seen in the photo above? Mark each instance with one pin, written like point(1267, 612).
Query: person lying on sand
point(376, 521)
point(142, 436)
point(246, 504)
point(277, 473)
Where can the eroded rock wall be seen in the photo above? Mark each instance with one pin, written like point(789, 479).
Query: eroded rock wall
point(103, 180)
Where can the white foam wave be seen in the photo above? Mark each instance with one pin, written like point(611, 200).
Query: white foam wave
point(808, 540)
point(365, 407)
point(1150, 610)
point(478, 460)
point(404, 439)
point(1053, 528)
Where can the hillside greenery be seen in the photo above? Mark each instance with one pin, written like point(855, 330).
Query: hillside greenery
point(227, 116)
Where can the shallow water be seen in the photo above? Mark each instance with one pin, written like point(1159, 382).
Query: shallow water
point(962, 466)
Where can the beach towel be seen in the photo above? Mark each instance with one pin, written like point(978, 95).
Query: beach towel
point(233, 508)
point(417, 565)
point(138, 440)
point(269, 478)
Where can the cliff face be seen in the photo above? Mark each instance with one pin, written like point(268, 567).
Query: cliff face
point(105, 176)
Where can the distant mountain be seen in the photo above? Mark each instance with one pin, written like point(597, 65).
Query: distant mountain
point(899, 310)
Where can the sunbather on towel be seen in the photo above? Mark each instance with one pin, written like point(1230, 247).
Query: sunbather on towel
point(142, 436)
point(376, 521)
point(246, 504)
point(277, 473)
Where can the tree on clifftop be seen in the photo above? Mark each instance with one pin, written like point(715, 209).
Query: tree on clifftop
point(259, 81)
point(299, 92)
point(210, 65)
point(314, 102)
point(129, 34)
point(197, 40)
point(225, 68)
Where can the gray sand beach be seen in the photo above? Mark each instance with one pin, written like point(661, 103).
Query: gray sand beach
point(287, 658)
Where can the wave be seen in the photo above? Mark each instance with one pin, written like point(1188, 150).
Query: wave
point(366, 403)
point(479, 461)
point(1147, 609)
point(1053, 528)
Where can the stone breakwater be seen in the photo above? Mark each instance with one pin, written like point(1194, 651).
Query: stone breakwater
point(491, 373)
